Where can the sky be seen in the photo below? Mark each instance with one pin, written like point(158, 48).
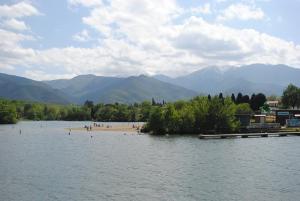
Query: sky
point(51, 39)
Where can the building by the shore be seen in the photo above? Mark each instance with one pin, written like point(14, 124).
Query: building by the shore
point(284, 116)
point(273, 104)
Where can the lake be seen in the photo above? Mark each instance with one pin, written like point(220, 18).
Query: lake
point(45, 163)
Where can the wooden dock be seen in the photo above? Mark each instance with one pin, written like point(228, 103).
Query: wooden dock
point(247, 135)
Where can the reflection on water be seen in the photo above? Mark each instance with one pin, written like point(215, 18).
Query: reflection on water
point(45, 163)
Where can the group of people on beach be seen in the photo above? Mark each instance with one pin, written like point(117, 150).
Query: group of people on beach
point(98, 125)
point(88, 128)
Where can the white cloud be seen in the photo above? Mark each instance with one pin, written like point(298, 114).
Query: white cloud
point(82, 36)
point(136, 19)
point(140, 36)
point(241, 12)
point(11, 51)
point(15, 25)
point(22, 9)
point(205, 9)
point(222, 44)
point(41, 75)
point(10, 39)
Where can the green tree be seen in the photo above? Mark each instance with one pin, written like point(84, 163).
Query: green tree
point(8, 113)
point(106, 113)
point(153, 102)
point(221, 117)
point(145, 111)
point(209, 97)
point(227, 121)
point(265, 108)
point(187, 120)
point(221, 96)
point(51, 112)
point(171, 119)
point(245, 99)
point(156, 122)
point(34, 111)
point(76, 113)
point(239, 98)
point(233, 98)
point(200, 108)
point(243, 108)
point(121, 113)
point(133, 113)
point(257, 101)
point(90, 104)
point(291, 96)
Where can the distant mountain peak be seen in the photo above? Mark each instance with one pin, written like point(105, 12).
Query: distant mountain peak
point(85, 76)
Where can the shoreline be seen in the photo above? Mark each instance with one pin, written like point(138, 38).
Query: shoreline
point(110, 128)
point(247, 135)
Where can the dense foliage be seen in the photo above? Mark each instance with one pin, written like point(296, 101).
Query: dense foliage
point(8, 113)
point(291, 96)
point(256, 101)
point(199, 115)
point(11, 111)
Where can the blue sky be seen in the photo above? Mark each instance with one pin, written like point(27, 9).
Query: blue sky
point(64, 38)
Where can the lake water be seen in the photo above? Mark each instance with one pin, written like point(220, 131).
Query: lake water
point(45, 163)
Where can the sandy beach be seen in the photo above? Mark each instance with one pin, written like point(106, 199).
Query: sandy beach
point(120, 128)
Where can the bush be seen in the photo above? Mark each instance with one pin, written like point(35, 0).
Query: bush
point(8, 113)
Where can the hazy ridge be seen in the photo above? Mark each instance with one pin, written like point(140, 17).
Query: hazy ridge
point(268, 79)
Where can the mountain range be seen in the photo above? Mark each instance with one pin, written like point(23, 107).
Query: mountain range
point(20, 88)
point(267, 79)
point(255, 78)
point(124, 90)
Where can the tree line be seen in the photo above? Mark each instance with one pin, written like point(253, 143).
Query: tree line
point(256, 101)
point(11, 111)
point(202, 113)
